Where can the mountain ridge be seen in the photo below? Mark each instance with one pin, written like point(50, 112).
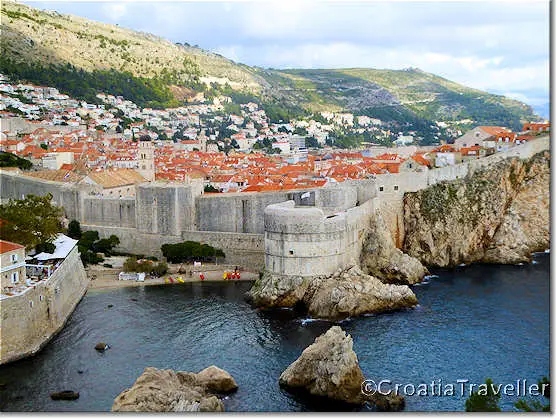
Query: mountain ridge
point(79, 48)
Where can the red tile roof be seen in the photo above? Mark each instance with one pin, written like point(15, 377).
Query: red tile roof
point(6, 246)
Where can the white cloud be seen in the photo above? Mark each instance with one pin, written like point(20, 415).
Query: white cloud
point(114, 11)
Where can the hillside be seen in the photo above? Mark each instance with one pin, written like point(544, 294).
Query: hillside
point(409, 93)
point(82, 57)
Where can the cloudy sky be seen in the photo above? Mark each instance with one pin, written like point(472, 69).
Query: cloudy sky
point(498, 46)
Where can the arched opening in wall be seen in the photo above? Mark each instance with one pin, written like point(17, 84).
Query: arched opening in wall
point(395, 187)
point(381, 188)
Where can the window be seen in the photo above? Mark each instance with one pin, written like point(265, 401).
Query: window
point(291, 251)
point(31, 304)
point(381, 189)
point(396, 188)
point(15, 277)
point(13, 258)
point(41, 297)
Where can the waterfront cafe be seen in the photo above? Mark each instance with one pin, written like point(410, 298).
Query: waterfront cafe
point(42, 266)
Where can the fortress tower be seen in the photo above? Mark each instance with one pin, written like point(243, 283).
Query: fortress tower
point(146, 158)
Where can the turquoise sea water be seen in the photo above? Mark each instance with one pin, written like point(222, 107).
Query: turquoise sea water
point(472, 322)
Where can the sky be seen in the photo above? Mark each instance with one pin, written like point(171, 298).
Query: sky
point(498, 46)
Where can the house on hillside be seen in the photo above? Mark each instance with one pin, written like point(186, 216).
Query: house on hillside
point(536, 127)
point(480, 136)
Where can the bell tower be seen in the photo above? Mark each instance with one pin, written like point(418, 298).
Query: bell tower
point(146, 158)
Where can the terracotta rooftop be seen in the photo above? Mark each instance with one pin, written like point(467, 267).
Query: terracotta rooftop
point(116, 177)
point(6, 246)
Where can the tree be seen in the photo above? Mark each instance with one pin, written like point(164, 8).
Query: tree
point(210, 188)
point(11, 160)
point(30, 221)
point(536, 405)
point(74, 230)
point(90, 245)
point(190, 250)
point(312, 142)
point(485, 399)
point(106, 245)
point(45, 247)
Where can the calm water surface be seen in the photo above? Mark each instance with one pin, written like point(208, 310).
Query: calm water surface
point(472, 323)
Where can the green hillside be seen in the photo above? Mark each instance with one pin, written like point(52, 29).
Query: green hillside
point(82, 57)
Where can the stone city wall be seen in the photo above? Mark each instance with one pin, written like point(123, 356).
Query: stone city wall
point(304, 241)
point(243, 212)
point(163, 212)
point(31, 319)
point(18, 187)
point(117, 212)
point(240, 248)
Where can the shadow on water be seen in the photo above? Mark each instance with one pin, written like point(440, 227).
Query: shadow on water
point(468, 320)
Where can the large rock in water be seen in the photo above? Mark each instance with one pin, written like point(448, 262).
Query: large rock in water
point(382, 259)
point(352, 293)
point(329, 368)
point(348, 292)
point(168, 391)
point(495, 215)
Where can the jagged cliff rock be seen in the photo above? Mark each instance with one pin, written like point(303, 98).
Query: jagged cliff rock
point(348, 292)
point(381, 258)
point(329, 368)
point(168, 391)
point(498, 215)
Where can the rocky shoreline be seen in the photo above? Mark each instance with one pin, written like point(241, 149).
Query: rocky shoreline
point(346, 293)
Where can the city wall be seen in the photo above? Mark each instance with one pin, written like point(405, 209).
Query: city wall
point(302, 241)
point(31, 319)
point(240, 249)
point(168, 213)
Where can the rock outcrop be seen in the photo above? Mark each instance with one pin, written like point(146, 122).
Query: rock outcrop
point(348, 292)
point(329, 368)
point(352, 293)
point(497, 215)
point(381, 258)
point(168, 391)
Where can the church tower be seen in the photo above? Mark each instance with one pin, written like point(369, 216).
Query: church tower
point(146, 158)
